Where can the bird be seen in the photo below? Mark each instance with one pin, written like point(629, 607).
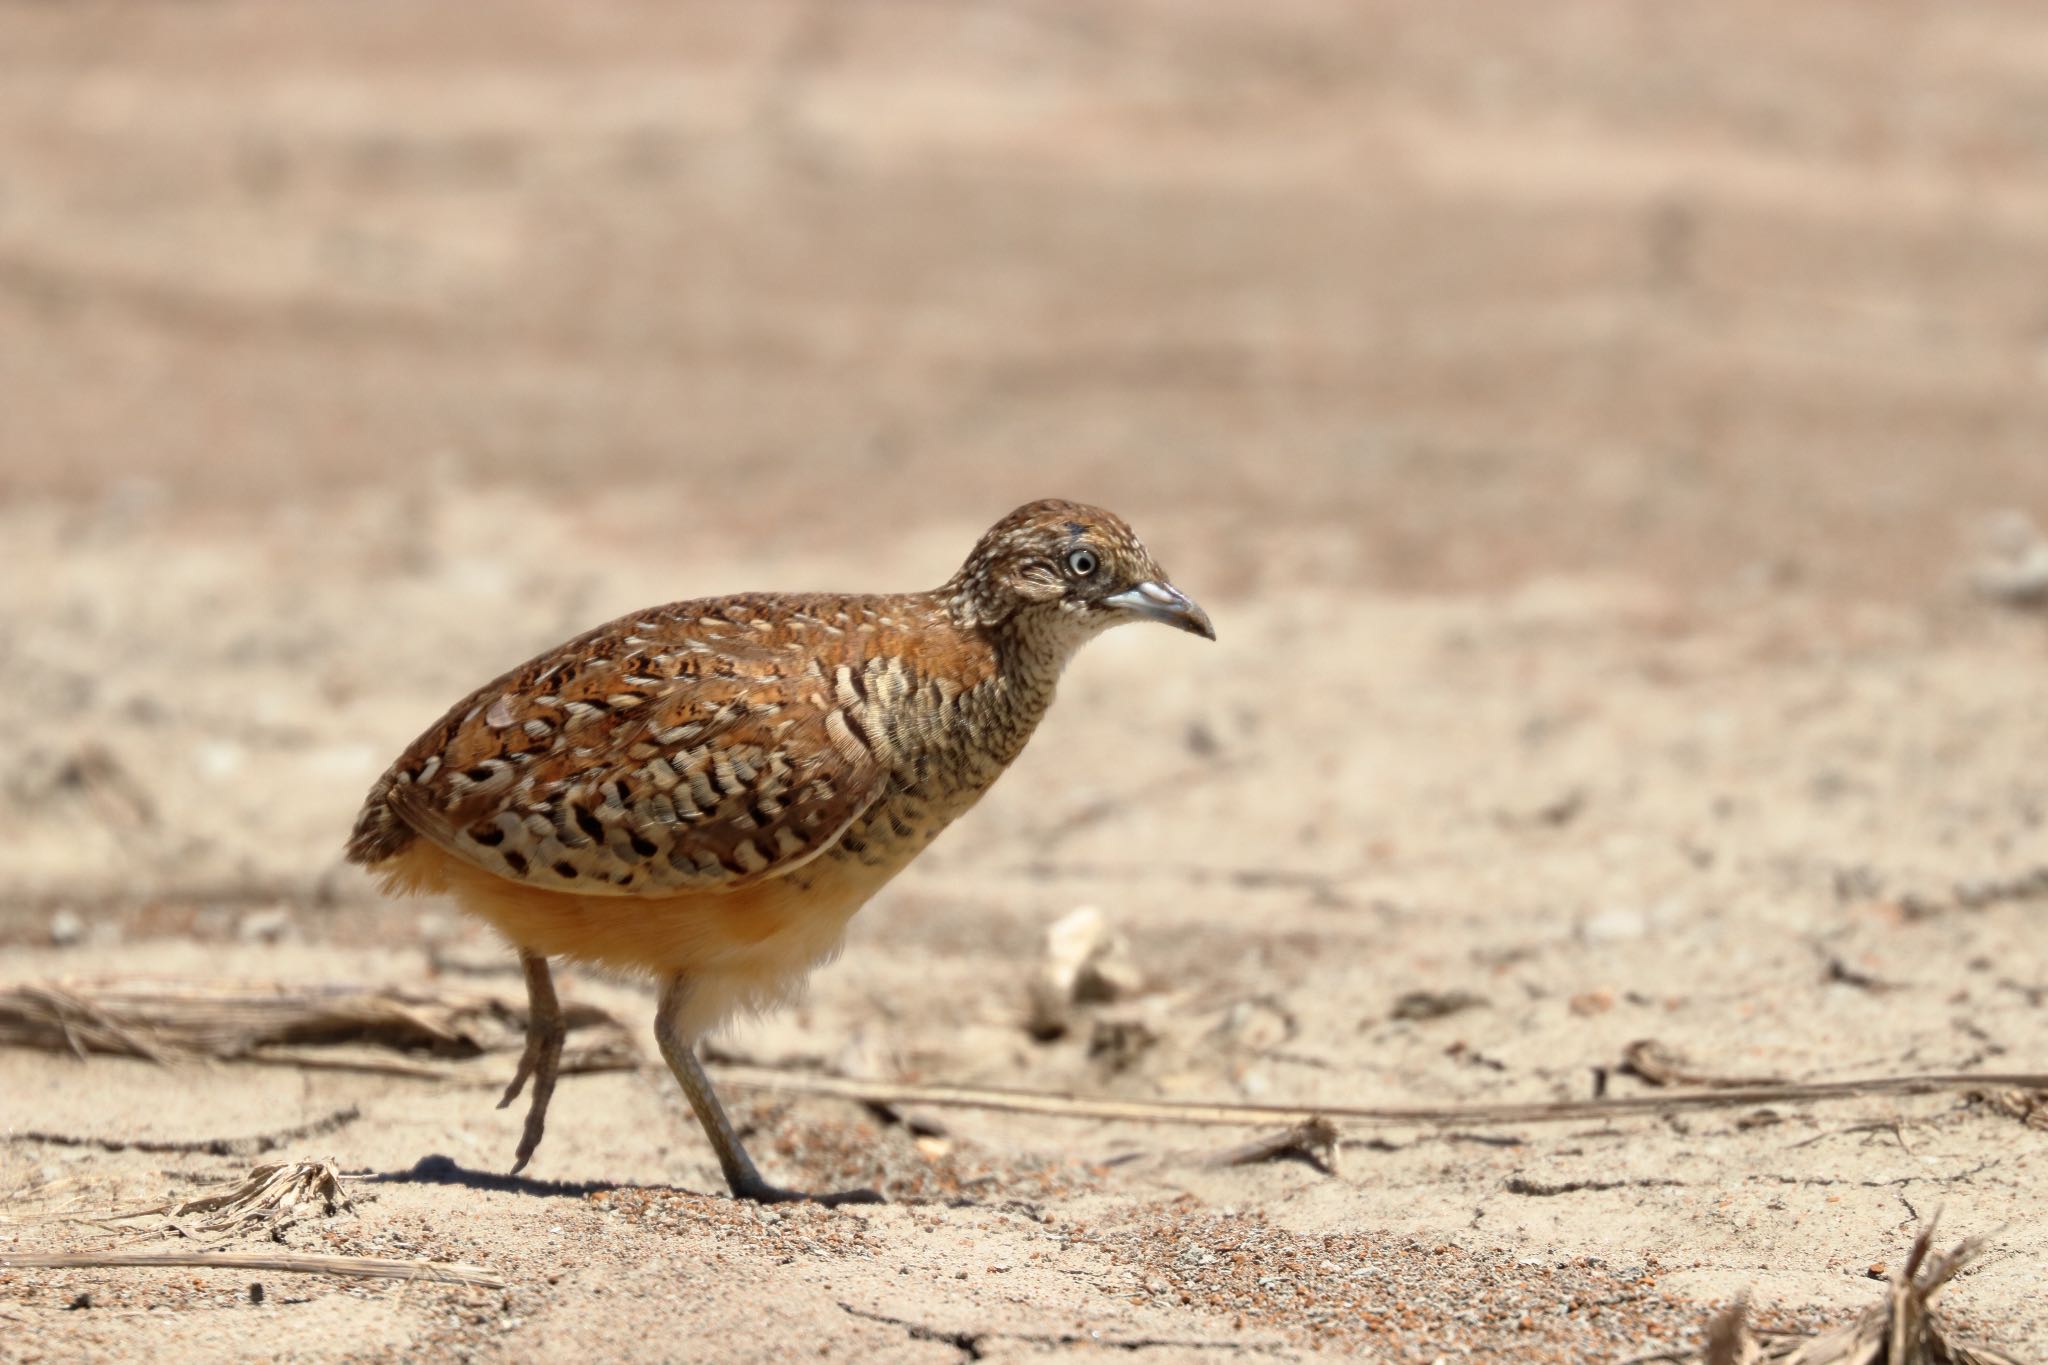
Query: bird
point(705, 793)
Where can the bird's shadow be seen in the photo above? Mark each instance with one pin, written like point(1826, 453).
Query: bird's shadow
point(445, 1170)
point(440, 1169)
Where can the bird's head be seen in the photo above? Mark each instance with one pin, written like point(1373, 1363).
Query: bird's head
point(1067, 571)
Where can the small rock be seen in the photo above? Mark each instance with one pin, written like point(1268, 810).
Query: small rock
point(1592, 1002)
point(219, 759)
point(1083, 962)
point(1615, 926)
point(66, 928)
point(264, 926)
point(1553, 811)
point(2015, 573)
point(1257, 1025)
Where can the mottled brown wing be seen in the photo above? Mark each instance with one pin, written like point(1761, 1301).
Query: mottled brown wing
point(625, 764)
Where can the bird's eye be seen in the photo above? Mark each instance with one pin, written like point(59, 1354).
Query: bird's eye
point(1082, 563)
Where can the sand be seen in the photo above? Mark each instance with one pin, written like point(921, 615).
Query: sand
point(1583, 431)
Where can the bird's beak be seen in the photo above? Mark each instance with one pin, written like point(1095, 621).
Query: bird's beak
point(1164, 603)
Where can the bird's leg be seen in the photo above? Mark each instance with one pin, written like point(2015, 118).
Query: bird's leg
point(740, 1175)
point(542, 1059)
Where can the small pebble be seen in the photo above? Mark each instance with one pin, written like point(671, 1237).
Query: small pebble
point(66, 928)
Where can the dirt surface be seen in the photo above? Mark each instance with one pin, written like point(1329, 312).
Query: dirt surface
point(1581, 421)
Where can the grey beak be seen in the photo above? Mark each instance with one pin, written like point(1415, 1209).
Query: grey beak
point(1166, 604)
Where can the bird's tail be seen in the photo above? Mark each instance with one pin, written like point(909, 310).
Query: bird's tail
point(381, 834)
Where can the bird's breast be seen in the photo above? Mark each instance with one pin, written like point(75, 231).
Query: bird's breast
point(943, 748)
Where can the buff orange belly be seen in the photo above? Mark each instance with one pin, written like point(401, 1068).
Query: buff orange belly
point(742, 949)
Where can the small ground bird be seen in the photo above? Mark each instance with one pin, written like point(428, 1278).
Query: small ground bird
point(708, 791)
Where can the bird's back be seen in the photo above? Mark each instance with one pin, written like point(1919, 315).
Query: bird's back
point(705, 746)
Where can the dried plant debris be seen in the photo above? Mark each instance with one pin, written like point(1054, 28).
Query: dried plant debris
point(1660, 1064)
point(270, 1199)
point(2028, 1106)
point(1841, 973)
point(286, 1262)
point(238, 1021)
point(1240, 1114)
point(1728, 1334)
point(1117, 1043)
point(1903, 1329)
point(1420, 1005)
point(1313, 1140)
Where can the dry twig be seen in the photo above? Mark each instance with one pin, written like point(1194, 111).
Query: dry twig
point(295, 1262)
point(1315, 1141)
point(1261, 1115)
point(1655, 1062)
point(236, 1021)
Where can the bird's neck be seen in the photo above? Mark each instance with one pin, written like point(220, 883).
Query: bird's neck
point(1031, 653)
point(992, 719)
point(946, 747)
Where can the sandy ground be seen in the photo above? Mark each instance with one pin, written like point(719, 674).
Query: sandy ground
point(1581, 429)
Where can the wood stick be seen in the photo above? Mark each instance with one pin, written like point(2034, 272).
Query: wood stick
point(296, 1263)
point(1259, 1115)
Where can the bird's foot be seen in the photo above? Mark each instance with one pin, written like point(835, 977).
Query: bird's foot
point(759, 1191)
point(526, 1065)
point(536, 1124)
point(542, 1061)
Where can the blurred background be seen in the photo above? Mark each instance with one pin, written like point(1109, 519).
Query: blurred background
point(1701, 290)
point(349, 353)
